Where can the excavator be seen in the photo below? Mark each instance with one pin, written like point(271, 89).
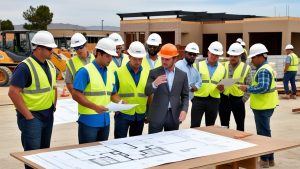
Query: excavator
point(16, 47)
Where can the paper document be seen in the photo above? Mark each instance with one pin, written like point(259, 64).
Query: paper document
point(228, 82)
point(66, 111)
point(119, 107)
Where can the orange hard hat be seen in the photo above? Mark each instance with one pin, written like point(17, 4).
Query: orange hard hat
point(168, 51)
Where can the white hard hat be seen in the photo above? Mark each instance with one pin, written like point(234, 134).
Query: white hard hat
point(116, 38)
point(216, 48)
point(243, 43)
point(137, 49)
point(257, 49)
point(240, 40)
point(107, 45)
point(235, 49)
point(154, 39)
point(289, 46)
point(77, 40)
point(44, 38)
point(192, 47)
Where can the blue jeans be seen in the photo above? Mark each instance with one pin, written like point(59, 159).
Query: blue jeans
point(87, 134)
point(289, 77)
point(262, 122)
point(122, 125)
point(35, 133)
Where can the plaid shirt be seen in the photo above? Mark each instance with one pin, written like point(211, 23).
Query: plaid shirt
point(264, 79)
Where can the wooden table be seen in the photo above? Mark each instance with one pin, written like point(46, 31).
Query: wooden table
point(246, 158)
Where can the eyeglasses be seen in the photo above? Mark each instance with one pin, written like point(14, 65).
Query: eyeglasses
point(119, 48)
point(192, 54)
point(79, 47)
point(152, 46)
point(233, 56)
point(45, 47)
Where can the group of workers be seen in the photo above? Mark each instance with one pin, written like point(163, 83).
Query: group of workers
point(149, 75)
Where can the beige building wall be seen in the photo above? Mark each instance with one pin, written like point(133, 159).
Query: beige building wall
point(191, 32)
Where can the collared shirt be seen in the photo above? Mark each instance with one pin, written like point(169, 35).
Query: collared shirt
point(170, 79)
point(69, 78)
point(118, 60)
point(136, 77)
point(150, 61)
point(248, 79)
point(22, 79)
point(81, 80)
point(194, 77)
point(211, 68)
point(263, 78)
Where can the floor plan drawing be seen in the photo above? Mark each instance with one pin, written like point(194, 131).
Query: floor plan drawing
point(140, 151)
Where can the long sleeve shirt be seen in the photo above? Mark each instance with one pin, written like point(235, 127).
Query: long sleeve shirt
point(194, 77)
point(263, 79)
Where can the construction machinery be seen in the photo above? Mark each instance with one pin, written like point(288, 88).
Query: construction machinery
point(16, 47)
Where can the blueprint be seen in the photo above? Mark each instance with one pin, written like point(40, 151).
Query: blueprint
point(140, 151)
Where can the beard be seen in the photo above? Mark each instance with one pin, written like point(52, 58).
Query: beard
point(190, 62)
point(153, 52)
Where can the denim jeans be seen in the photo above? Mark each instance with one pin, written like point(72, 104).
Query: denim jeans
point(262, 122)
point(122, 126)
point(35, 133)
point(289, 77)
point(87, 134)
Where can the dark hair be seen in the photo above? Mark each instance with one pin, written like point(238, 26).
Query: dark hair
point(100, 51)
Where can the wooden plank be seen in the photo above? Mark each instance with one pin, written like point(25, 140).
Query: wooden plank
point(296, 110)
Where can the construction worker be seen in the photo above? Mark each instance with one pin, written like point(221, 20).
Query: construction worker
point(263, 95)
point(245, 53)
point(93, 89)
point(83, 57)
point(131, 81)
point(186, 65)
point(121, 59)
point(169, 86)
point(152, 60)
point(33, 92)
point(233, 99)
point(207, 98)
point(290, 72)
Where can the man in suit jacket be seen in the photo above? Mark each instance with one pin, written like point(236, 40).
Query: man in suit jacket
point(169, 86)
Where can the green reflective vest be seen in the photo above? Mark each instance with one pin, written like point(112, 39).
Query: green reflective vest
point(146, 64)
point(40, 95)
point(209, 85)
point(113, 66)
point(96, 91)
point(75, 64)
point(240, 72)
point(268, 100)
point(294, 62)
point(131, 93)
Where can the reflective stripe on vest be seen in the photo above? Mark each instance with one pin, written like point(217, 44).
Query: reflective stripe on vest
point(294, 62)
point(267, 100)
point(113, 66)
point(208, 87)
point(75, 64)
point(40, 95)
point(240, 71)
point(131, 93)
point(96, 91)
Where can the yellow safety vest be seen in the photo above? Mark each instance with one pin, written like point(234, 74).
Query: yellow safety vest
point(131, 93)
point(294, 62)
point(209, 85)
point(146, 64)
point(268, 100)
point(75, 64)
point(113, 66)
point(96, 91)
point(40, 95)
point(240, 72)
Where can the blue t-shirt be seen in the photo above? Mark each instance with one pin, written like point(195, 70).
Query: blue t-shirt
point(81, 80)
point(22, 78)
point(136, 77)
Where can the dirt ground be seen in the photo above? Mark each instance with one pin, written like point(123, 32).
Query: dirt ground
point(284, 124)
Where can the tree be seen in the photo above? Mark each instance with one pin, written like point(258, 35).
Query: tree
point(6, 25)
point(39, 17)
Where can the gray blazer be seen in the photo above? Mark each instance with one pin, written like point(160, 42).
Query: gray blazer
point(178, 97)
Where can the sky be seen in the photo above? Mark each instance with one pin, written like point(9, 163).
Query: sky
point(91, 12)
